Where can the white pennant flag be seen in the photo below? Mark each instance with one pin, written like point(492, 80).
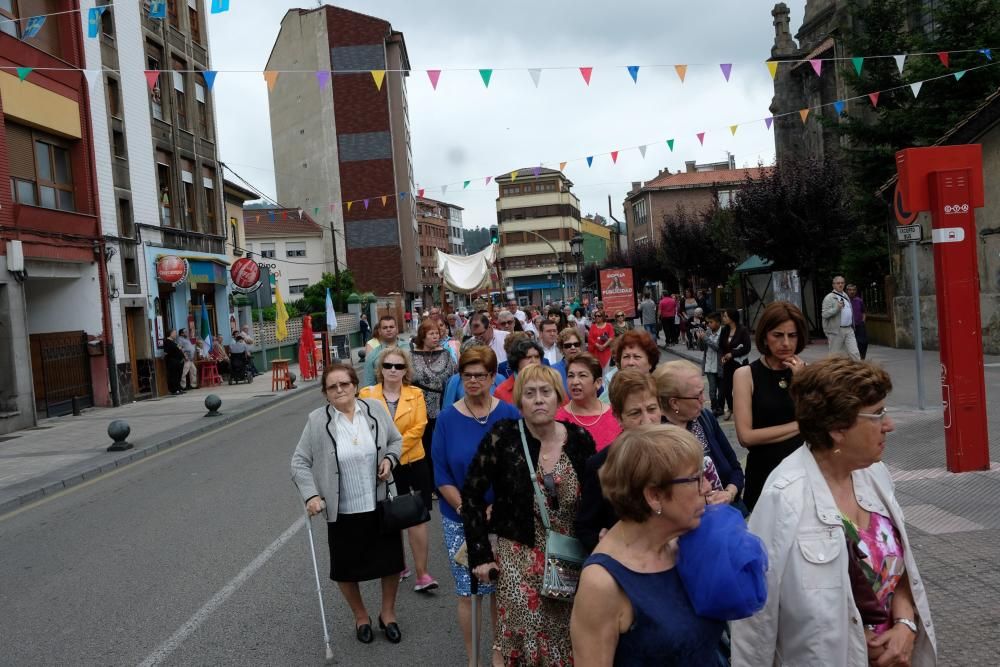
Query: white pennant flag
point(642, 152)
point(915, 87)
point(536, 75)
point(93, 77)
point(444, 189)
point(900, 61)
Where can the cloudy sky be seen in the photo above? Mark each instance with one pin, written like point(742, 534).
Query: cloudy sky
point(465, 131)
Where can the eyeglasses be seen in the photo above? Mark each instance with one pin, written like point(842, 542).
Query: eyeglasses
point(686, 480)
point(477, 377)
point(876, 416)
point(620, 317)
point(576, 344)
point(700, 396)
point(506, 323)
point(340, 386)
point(398, 367)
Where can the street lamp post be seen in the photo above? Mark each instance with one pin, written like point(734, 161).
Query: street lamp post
point(576, 248)
point(561, 265)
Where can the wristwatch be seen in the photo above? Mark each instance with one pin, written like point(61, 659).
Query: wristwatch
point(908, 623)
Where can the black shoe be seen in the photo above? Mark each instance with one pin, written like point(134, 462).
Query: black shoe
point(391, 631)
point(364, 632)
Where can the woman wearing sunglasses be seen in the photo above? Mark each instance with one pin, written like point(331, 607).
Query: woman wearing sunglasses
point(571, 345)
point(406, 405)
point(533, 629)
point(842, 585)
point(631, 607)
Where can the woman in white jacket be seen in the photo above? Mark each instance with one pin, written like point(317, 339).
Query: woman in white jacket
point(843, 585)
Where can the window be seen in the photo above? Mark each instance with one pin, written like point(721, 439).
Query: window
point(208, 183)
point(114, 95)
point(8, 16)
point(180, 94)
point(172, 14)
point(234, 234)
point(726, 198)
point(164, 183)
point(107, 19)
point(155, 94)
point(639, 213)
point(187, 186)
point(40, 171)
point(118, 143)
point(194, 22)
point(267, 250)
point(125, 226)
point(130, 266)
point(297, 285)
point(201, 99)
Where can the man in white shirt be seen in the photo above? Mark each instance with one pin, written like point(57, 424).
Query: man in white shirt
point(515, 311)
point(838, 321)
point(549, 336)
point(190, 371)
point(479, 326)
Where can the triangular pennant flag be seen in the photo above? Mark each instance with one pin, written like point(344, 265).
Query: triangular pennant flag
point(271, 76)
point(465, 184)
point(701, 138)
point(768, 122)
point(772, 67)
point(670, 145)
point(349, 204)
point(94, 20)
point(642, 152)
point(536, 171)
point(316, 211)
point(444, 189)
point(988, 53)
point(874, 98)
point(915, 87)
point(219, 6)
point(817, 65)
point(420, 192)
point(727, 69)
point(365, 202)
point(32, 27)
point(733, 128)
point(858, 64)
point(590, 160)
point(486, 75)
point(402, 196)
point(434, 75)
point(562, 166)
point(585, 72)
point(379, 76)
point(838, 106)
point(943, 57)
point(803, 114)
point(385, 198)
point(633, 71)
point(959, 74)
point(158, 9)
point(614, 157)
point(270, 214)
point(513, 176)
point(23, 72)
point(900, 61)
point(152, 77)
point(209, 78)
point(322, 76)
point(682, 71)
point(488, 179)
point(284, 215)
point(536, 76)
point(93, 77)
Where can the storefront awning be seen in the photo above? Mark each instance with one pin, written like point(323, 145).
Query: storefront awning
point(545, 284)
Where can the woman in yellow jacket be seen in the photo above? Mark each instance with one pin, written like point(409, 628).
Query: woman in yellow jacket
point(409, 412)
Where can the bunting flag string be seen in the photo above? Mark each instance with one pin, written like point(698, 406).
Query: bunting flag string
point(727, 69)
point(23, 72)
point(633, 71)
point(585, 72)
point(681, 71)
point(536, 75)
point(379, 76)
point(486, 75)
point(817, 66)
point(772, 67)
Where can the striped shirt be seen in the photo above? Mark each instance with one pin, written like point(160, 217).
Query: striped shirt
point(356, 461)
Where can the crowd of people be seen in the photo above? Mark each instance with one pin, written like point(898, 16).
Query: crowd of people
point(573, 471)
point(182, 354)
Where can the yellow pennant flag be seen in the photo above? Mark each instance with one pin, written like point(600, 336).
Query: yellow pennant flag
point(803, 114)
point(385, 198)
point(280, 314)
point(772, 67)
point(513, 176)
point(379, 76)
point(562, 166)
point(271, 77)
point(682, 71)
point(732, 128)
point(349, 204)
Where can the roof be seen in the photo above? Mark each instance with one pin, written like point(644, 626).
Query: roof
point(239, 190)
point(287, 222)
point(529, 172)
point(432, 202)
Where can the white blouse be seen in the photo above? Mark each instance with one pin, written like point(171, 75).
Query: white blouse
point(356, 454)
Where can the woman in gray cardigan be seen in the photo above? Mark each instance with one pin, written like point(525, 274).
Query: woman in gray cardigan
point(343, 466)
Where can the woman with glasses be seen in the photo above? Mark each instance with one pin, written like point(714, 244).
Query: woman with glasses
point(409, 412)
point(842, 582)
point(764, 412)
point(631, 607)
point(681, 388)
point(621, 325)
point(599, 339)
point(433, 366)
point(532, 630)
point(459, 429)
point(585, 409)
point(521, 353)
point(342, 467)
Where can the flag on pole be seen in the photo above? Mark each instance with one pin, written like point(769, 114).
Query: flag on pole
point(331, 317)
point(280, 314)
point(206, 327)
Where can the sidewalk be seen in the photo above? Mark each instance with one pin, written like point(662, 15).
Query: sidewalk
point(63, 451)
point(953, 519)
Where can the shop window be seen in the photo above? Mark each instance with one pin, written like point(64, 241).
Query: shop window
point(295, 249)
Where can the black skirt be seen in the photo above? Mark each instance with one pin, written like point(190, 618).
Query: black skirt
point(360, 552)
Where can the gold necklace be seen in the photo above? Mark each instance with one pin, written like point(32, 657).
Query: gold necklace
point(579, 421)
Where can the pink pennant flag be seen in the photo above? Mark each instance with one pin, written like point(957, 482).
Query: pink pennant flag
point(322, 76)
point(701, 138)
point(727, 69)
point(874, 98)
point(943, 57)
point(768, 122)
point(152, 76)
point(434, 75)
point(614, 157)
point(420, 192)
point(586, 72)
point(817, 65)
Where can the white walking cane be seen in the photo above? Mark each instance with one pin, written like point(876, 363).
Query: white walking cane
point(319, 591)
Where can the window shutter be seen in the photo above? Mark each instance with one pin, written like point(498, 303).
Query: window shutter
point(20, 152)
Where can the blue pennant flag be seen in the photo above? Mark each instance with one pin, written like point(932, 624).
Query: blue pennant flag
point(219, 6)
point(590, 160)
point(402, 196)
point(158, 9)
point(209, 78)
point(839, 107)
point(94, 20)
point(32, 27)
point(633, 71)
point(988, 53)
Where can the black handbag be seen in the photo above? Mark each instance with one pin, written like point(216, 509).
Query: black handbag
point(397, 513)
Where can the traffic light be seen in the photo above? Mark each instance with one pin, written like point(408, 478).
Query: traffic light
point(495, 234)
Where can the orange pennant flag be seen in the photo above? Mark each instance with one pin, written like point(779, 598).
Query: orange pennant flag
point(385, 198)
point(803, 114)
point(772, 67)
point(379, 76)
point(732, 128)
point(271, 77)
point(681, 71)
point(562, 166)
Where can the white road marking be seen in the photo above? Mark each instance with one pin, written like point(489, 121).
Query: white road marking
point(170, 645)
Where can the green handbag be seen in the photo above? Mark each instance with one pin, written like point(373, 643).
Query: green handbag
point(564, 555)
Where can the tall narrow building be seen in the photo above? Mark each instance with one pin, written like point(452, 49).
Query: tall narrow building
point(340, 134)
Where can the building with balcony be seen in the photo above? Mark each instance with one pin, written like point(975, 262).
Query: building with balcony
point(433, 234)
point(348, 140)
point(290, 244)
point(55, 328)
point(537, 215)
point(233, 197)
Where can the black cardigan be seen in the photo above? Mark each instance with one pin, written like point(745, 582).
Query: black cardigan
point(499, 463)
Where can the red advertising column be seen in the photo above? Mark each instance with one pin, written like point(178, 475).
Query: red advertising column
point(959, 329)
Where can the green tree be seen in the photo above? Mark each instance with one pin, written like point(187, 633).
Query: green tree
point(314, 298)
point(690, 248)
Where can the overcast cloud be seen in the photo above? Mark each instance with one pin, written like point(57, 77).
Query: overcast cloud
point(465, 131)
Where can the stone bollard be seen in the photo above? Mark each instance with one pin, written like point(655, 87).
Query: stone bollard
point(118, 430)
point(213, 403)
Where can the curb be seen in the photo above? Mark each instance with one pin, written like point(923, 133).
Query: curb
point(36, 489)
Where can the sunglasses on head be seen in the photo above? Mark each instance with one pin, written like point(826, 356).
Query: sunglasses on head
point(387, 366)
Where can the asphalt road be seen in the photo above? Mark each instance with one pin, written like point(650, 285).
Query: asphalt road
point(197, 556)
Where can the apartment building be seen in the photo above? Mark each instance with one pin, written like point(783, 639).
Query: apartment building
point(290, 244)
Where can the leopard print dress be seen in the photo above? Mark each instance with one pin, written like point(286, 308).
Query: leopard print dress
point(534, 630)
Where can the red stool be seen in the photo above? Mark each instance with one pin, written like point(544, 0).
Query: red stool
point(279, 375)
point(208, 374)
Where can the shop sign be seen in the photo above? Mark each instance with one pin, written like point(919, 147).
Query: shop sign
point(172, 269)
point(245, 275)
